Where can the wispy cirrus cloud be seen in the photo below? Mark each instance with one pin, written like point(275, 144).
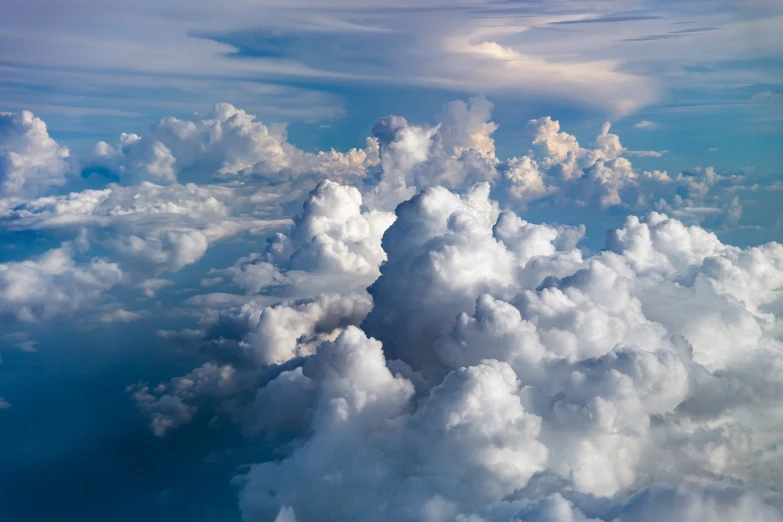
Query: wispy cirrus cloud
point(288, 55)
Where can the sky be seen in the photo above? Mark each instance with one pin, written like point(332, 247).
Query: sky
point(432, 261)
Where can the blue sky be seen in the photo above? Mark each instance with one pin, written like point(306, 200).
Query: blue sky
point(194, 209)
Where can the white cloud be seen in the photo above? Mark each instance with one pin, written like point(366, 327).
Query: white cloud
point(333, 244)
point(151, 286)
point(332, 234)
point(270, 176)
point(31, 162)
point(251, 336)
point(489, 66)
point(645, 124)
point(513, 367)
point(151, 229)
point(226, 143)
point(286, 514)
point(53, 283)
point(456, 153)
point(451, 360)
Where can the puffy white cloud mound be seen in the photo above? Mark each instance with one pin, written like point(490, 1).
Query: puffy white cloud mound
point(157, 219)
point(456, 153)
point(52, 284)
point(447, 250)
point(226, 143)
point(333, 245)
point(472, 438)
point(516, 379)
point(31, 162)
point(244, 340)
point(284, 332)
point(333, 234)
point(448, 361)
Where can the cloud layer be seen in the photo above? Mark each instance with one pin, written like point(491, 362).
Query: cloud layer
point(503, 364)
point(398, 328)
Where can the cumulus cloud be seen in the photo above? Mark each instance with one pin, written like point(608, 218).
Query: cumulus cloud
point(165, 412)
point(333, 244)
point(509, 377)
point(555, 170)
point(120, 316)
point(493, 369)
point(243, 340)
point(31, 162)
point(227, 173)
point(452, 360)
point(456, 153)
point(332, 234)
point(226, 143)
point(53, 283)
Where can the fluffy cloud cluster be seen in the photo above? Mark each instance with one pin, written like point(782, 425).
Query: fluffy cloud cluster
point(456, 153)
point(333, 234)
point(30, 160)
point(509, 378)
point(187, 184)
point(225, 144)
point(450, 360)
point(52, 284)
point(681, 504)
point(558, 170)
point(331, 239)
point(333, 246)
point(501, 374)
point(151, 229)
point(244, 340)
point(555, 171)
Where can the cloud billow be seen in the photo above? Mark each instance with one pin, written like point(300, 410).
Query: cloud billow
point(410, 342)
point(493, 382)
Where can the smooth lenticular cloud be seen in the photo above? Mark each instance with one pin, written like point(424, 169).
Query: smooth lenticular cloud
point(404, 335)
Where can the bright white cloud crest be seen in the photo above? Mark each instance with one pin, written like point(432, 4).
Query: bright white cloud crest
point(30, 160)
point(449, 360)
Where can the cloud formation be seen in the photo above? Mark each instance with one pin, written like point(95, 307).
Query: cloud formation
point(225, 144)
point(507, 375)
point(53, 284)
point(600, 57)
point(412, 344)
point(30, 161)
